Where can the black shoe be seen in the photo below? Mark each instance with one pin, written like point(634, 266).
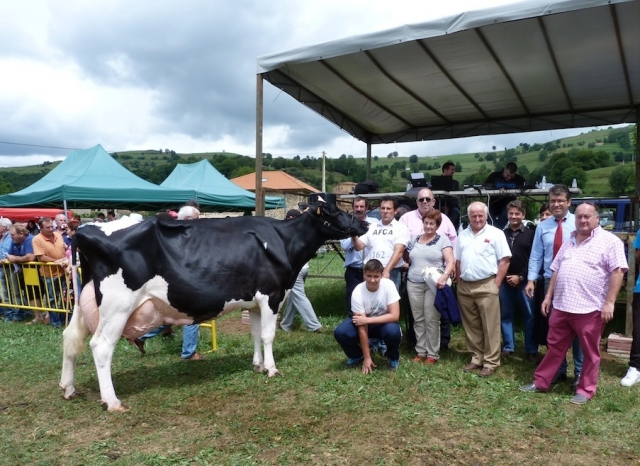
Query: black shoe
point(559, 378)
point(574, 384)
point(533, 357)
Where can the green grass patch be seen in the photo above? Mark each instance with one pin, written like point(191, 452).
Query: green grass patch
point(221, 412)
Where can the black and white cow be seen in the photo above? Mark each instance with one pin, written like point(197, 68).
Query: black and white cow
point(137, 277)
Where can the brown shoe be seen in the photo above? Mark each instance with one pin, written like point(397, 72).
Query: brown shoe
point(430, 360)
point(194, 357)
point(418, 358)
point(486, 372)
point(471, 367)
point(506, 354)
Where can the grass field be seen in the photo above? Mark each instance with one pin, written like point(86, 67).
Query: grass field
point(219, 412)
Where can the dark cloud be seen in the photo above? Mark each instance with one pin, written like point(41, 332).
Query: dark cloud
point(200, 58)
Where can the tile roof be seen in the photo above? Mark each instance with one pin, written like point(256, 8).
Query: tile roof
point(274, 181)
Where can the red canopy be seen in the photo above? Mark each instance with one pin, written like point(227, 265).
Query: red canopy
point(17, 214)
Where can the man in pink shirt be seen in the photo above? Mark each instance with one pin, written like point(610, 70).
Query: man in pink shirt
point(587, 275)
point(413, 219)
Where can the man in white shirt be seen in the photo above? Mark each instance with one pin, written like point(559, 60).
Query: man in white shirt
point(386, 241)
point(376, 311)
point(482, 259)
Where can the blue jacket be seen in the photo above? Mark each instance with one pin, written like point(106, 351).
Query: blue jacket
point(447, 305)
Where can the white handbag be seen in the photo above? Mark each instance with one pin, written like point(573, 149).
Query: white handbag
point(431, 276)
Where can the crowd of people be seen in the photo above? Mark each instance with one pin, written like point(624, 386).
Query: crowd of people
point(563, 275)
point(47, 241)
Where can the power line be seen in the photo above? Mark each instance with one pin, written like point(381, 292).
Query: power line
point(36, 145)
point(73, 148)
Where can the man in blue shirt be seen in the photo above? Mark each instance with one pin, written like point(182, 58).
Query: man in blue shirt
point(549, 236)
point(633, 374)
point(5, 244)
point(353, 259)
point(20, 251)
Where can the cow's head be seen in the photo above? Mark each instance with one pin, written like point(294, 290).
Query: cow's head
point(333, 222)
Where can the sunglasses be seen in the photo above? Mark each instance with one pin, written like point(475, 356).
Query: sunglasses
point(425, 199)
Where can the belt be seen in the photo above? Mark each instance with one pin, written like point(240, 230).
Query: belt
point(480, 280)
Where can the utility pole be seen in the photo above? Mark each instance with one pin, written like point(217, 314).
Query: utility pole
point(324, 183)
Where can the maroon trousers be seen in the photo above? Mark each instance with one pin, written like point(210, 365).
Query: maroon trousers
point(563, 327)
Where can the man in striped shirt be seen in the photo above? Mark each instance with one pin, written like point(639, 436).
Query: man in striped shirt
point(587, 275)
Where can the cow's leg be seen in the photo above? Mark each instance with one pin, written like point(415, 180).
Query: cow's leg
point(74, 337)
point(103, 345)
point(256, 333)
point(268, 330)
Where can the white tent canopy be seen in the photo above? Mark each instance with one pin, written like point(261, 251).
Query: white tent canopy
point(530, 66)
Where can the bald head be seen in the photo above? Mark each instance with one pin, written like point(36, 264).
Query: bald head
point(478, 212)
point(425, 201)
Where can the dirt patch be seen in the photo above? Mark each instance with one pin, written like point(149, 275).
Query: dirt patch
point(232, 324)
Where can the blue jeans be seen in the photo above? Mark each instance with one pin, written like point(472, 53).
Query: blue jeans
point(153, 333)
point(508, 298)
point(396, 277)
point(190, 335)
point(189, 340)
point(346, 334)
point(55, 287)
point(11, 283)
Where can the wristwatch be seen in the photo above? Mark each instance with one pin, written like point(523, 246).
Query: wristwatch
point(521, 278)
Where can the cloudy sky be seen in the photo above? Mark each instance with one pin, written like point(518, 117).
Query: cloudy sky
point(182, 74)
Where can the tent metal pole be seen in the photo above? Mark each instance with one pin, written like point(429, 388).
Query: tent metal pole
point(369, 158)
point(64, 205)
point(259, 121)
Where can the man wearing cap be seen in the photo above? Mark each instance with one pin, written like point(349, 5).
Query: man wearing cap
point(297, 299)
point(190, 333)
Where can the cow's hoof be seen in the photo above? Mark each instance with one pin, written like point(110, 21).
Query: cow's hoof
point(258, 367)
point(119, 408)
point(69, 392)
point(274, 373)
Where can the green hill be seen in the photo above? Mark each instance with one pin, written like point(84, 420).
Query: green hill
point(590, 157)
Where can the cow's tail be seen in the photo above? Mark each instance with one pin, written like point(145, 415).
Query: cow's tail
point(74, 337)
point(77, 331)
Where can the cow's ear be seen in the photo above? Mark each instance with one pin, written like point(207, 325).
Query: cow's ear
point(318, 211)
point(303, 206)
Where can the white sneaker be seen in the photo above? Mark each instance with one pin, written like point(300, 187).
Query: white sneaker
point(632, 377)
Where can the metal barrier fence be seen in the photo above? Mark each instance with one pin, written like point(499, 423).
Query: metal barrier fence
point(45, 287)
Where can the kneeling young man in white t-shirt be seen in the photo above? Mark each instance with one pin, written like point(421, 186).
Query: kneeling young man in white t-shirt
point(376, 311)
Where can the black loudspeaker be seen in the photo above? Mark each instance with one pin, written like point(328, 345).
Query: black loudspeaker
point(418, 180)
point(326, 197)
